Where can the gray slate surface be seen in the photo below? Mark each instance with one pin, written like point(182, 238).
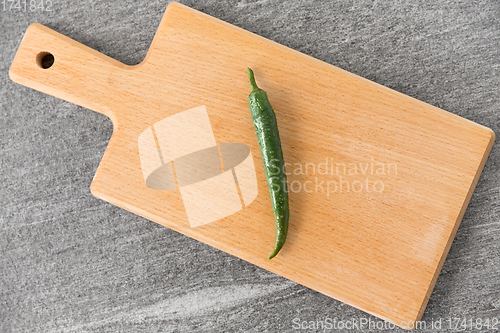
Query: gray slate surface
point(72, 263)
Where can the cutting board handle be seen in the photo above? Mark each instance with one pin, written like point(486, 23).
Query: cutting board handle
point(60, 66)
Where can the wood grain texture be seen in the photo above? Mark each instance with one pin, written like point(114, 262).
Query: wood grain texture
point(380, 252)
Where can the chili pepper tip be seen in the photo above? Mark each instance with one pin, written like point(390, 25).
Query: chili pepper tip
point(273, 254)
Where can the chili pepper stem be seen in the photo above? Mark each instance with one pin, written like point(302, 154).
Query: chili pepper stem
point(253, 84)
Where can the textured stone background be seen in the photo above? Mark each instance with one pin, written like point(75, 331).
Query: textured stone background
point(72, 263)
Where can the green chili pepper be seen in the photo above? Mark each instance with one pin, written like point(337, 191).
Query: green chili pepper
point(266, 128)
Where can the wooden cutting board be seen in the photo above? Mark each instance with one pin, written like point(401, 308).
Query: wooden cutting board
point(379, 181)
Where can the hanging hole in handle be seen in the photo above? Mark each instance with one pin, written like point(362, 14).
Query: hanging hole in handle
point(44, 60)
